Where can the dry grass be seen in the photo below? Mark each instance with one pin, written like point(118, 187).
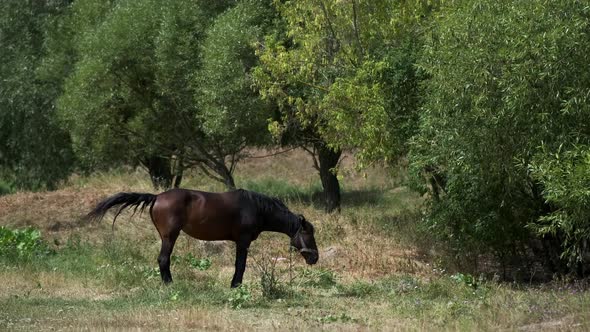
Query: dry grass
point(380, 272)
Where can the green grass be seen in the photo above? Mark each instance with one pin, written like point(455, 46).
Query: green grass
point(322, 296)
point(284, 190)
point(377, 270)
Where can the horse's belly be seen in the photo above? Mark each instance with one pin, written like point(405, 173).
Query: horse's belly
point(208, 232)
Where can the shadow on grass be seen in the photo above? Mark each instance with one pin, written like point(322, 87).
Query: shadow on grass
point(285, 191)
point(312, 194)
point(358, 198)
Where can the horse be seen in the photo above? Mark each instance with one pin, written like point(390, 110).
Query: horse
point(239, 216)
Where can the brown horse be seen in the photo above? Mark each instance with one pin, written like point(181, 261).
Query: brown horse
point(238, 216)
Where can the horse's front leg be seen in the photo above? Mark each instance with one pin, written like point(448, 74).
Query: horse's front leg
point(242, 246)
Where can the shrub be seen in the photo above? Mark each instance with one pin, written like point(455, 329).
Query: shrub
point(566, 181)
point(271, 281)
point(200, 264)
point(22, 243)
point(5, 188)
point(239, 296)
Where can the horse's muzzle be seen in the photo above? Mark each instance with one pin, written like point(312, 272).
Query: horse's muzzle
point(311, 256)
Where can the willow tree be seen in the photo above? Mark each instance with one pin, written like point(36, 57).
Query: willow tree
point(230, 109)
point(35, 153)
point(505, 122)
point(342, 74)
point(132, 96)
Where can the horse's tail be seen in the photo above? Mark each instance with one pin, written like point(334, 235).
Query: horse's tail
point(124, 200)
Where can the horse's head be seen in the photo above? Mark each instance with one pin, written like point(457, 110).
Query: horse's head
point(304, 241)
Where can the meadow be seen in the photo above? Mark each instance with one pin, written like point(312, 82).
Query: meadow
point(378, 270)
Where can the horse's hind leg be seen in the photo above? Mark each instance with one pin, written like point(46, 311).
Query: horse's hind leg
point(168, 236)
point(164, 258)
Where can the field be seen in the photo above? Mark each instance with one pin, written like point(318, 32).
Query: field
point(377, 270)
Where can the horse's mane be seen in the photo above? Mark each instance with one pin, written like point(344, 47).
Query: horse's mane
point(264, 203)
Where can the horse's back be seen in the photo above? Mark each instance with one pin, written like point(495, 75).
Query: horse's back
point(202, 215)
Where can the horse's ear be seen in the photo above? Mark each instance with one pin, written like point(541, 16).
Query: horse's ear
point(306, 225)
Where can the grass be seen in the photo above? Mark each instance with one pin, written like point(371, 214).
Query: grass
point(376, 272)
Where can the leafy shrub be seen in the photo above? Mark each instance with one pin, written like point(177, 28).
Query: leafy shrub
point(22, 243)
point(200, 264)
point(5, 188)
point(239, 296)
point(517, 83)
point(321, 278)
point(466, 279)
point(271, 282)
point(566, 181)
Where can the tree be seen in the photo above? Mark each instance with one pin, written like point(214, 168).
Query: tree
point(231, 111)
point(508, 89)
point(343, 75)
point(131, 97)
point(34, 152)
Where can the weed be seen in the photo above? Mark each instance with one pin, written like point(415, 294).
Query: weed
point(239, 296)
point(201, 264)
point(270, 277)
point(466, 279)
point(322, 278)
point(174, 295)
point(150, 273)
point(23, 243)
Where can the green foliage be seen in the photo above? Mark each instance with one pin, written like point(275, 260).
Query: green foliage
point(466, 279)
point(322, 278)
point(282, 189)
point(232, 111)
point(505, 79)
point(23, 243)
point(271, 277)
point(334, 77)
point(565, 176)
point(5, 188)
point(357, 289)
point(239, 297)
point(112, 100)
point(149, 83)
point(35, 152)
point(201, 264)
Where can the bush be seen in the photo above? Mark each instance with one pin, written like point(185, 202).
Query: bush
point(5, 188)
point(566, 181)
point(506, 78)
point(271, 281)
point(239, 296)
point(22, 243)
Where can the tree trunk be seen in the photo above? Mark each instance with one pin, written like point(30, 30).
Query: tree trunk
point(179, 171)
point(328, 159)
point(160, 172)
point(178, 178)
point(228, 179)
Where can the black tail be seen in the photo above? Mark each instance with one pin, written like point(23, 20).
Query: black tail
point(138, 200)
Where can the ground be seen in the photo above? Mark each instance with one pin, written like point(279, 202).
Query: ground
point(376, 270)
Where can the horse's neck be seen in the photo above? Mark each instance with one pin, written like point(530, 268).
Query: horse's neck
point(285, 223)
